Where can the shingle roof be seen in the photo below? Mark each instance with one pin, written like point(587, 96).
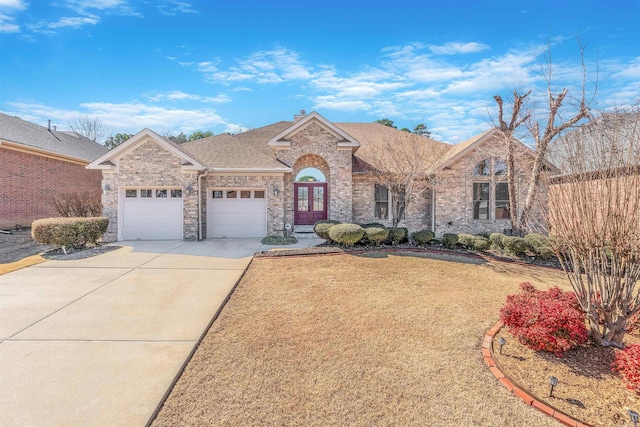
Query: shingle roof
point(458, 148)
point(228, 152)
point(375, 134)
point(68, 144)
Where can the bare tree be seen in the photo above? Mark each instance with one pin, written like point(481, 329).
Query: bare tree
point(402, 163)
point(91, 127)
point(562, 113)
point(594, 213)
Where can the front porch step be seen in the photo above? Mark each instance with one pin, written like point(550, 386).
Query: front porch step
point(311, 235)
point(303, 229)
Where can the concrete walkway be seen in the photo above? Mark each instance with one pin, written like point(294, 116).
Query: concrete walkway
point(98, 341)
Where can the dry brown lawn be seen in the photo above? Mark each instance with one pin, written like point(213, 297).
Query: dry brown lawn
point(356, 340)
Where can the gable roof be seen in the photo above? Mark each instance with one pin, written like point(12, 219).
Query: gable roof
point(226, 152)
point(20, 133)
point(460, 149)
point(280, 140)
point(104, 161)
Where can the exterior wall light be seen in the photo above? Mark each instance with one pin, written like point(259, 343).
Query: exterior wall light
point(188, 189)
point(106, 187)
point(275, 190)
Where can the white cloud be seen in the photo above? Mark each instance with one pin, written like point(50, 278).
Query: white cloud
point(453, 48)
point(7, 25)
point(125, 117)
point(13, 4)
point(92, 7)
point(173, 7)
point(74, 22)
point(177, 95)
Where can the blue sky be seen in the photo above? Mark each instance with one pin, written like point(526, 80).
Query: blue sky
point(228, 65)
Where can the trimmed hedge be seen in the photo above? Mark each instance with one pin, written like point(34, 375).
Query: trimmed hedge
point(539, 245)
point(376, 235)
point(450, 240)
point(398, 235)
point(322, 227)
point(423, 237)
point(466, 240)
point(515, 245)
point(69, 232)
point(480, 243)
point(346, 234)
point(496, 241)
point(374, 225)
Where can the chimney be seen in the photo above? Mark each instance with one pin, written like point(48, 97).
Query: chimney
point(297, 117)
point(49, 126)
point(55, 128)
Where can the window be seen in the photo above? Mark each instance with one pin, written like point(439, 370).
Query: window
point(217, 194)
point(131, 193)
point(258, 194)
point(146, 193)
point(176, 193)
point(490, 192)
point(382, 202)
point(502, 200)
point(245, 194)
point(232, 194)
point(162, 194)
point(480, 200)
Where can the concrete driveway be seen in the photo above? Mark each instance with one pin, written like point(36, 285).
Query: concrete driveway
point(98, 341)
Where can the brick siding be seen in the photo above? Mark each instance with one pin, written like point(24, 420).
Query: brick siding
point(28, 184)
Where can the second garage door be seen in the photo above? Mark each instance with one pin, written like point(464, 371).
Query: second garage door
point(236, 213)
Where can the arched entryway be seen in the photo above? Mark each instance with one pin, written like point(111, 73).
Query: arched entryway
point(310, 196)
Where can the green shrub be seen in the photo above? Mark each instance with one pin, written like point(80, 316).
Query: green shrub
point(539, 245)
point(422, 237)
point(480, 243)
point(69, 232)
point(321, 228)
point(279, 240)
point(398, 235)
point(374, 225)
point(496, 241)
point(515, 245)
point(466, 240)
point(450, 240)
point(346, 234)
point(376, 235)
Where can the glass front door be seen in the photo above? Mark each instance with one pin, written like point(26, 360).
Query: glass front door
point(310, 203)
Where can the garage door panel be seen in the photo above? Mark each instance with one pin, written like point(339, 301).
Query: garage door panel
point(236, 217)
point(152, 218)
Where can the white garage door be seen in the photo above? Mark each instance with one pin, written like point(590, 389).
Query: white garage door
point(151, 214)
point(236, 213)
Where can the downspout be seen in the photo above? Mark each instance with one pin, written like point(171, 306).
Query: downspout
point(433, 210)
point(199, 203)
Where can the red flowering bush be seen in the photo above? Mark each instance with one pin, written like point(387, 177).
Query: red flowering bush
point(627, 362)
point(550, 320)
point(633, 324)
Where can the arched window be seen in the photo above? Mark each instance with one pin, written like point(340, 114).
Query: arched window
point(310, 175)
point(490, 191)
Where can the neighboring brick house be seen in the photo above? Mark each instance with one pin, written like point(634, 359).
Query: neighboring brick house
point(38, 163)
point(259, 182)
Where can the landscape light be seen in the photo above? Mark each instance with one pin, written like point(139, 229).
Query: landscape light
point(554, 382)
point(502, 342)
point(634, 417)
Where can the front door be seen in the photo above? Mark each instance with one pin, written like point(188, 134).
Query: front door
point(310, 202)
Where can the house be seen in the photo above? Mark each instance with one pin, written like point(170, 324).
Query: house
point(38, 163)
point(292, 174)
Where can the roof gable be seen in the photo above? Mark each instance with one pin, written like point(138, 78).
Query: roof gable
point(106, 161)
point(282, 139)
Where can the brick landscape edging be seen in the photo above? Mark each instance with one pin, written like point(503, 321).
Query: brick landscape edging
point(487, 353)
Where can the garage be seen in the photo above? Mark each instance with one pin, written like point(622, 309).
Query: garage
point(236, 213)
point(151, 214)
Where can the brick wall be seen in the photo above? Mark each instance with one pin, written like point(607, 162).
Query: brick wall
point(454, 186)
point(29, 182)
point(149, 164)
point(314, 146)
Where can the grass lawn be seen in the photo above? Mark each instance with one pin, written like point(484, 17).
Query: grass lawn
point(356, 340)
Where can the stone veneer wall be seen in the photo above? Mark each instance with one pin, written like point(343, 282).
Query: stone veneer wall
point(149, 165)
point(275, 204)
point(454, 198)
point(315, 140)
point(417, 216)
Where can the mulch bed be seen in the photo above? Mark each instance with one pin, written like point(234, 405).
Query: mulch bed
point(588, 390)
